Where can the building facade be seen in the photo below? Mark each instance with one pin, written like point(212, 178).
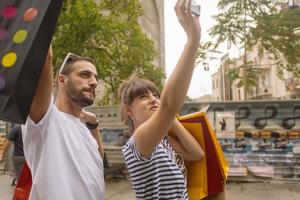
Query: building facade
point(269, 85)
point(259, 137)
point(217, 86)
point(152, 23)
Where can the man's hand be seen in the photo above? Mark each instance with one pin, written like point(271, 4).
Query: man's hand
point(92, 119)
point(88, 117)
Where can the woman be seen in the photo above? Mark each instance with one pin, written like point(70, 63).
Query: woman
point(151, 153)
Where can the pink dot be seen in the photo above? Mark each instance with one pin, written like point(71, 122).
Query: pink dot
point(3, 33)
point(9, 12)
point(2, 82)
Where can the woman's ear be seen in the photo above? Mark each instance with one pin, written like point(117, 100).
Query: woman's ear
point(127, 111)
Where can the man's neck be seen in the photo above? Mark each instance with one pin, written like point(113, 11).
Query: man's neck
point(67, 106)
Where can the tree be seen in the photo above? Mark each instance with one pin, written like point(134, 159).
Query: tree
point(204, 54)
point(261, 24)
point(232, 75)
point(279, 35)
point(109, 33)
point(235, 26)
point(249, 79)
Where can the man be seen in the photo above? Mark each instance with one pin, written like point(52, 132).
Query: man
point(223, 124)
point(62, 142)
point(15, 136)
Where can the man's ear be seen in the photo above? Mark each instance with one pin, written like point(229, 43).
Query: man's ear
point(61, 79)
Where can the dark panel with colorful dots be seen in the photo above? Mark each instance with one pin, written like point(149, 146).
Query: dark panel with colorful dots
point(26, 30)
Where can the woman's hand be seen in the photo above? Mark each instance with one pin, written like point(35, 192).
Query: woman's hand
point(188, 21)
point(184, 143)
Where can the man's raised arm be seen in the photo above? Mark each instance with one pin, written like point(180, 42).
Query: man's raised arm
point(43, 92)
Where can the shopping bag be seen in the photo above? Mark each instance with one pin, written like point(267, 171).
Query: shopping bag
point(208, 176)
point(24, 184)
point(26, 30)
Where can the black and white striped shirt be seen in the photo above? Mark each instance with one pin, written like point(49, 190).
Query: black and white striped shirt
point(157, 176)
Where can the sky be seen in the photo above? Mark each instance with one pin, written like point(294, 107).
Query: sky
point(175, 39)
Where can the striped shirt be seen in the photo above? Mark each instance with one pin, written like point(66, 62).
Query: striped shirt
point(157, 176)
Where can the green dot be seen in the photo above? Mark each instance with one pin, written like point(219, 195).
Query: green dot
point(20, 36)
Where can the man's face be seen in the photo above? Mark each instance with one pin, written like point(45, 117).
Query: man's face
point(81, 83)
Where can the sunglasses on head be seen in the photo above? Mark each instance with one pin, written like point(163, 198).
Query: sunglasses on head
point(68, 57)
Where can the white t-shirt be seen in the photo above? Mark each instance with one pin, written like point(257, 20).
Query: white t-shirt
point(63, 158)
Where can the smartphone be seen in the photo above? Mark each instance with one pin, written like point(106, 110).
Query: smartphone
point(195, 8)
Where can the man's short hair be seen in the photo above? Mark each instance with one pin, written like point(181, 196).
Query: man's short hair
point(70, 59)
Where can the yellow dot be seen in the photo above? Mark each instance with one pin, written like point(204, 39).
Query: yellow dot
point(9, 59)
point(20, 36)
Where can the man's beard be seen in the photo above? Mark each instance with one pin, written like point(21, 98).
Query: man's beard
point(78, 97)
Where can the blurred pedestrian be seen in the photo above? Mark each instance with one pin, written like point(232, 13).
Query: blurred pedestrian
point(15, 137)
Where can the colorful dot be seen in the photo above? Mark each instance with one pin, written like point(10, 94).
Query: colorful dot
point(2, 82)
point(9, 12)
point(30, 14)
point(3, 33)
point(9, 59)
point(20, 36)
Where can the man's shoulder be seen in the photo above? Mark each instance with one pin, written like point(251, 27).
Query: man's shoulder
point(46, 118)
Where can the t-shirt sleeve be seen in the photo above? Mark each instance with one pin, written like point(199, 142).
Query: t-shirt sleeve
point(132, 148)
point(35, 133)
point(31, 123)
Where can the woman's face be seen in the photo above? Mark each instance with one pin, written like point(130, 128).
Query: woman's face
point(143, 107)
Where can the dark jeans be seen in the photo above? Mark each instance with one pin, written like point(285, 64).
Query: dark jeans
point(18, 162)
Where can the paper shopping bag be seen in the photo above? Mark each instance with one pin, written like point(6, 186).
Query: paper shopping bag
point(208, 176)
point(26, 30)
